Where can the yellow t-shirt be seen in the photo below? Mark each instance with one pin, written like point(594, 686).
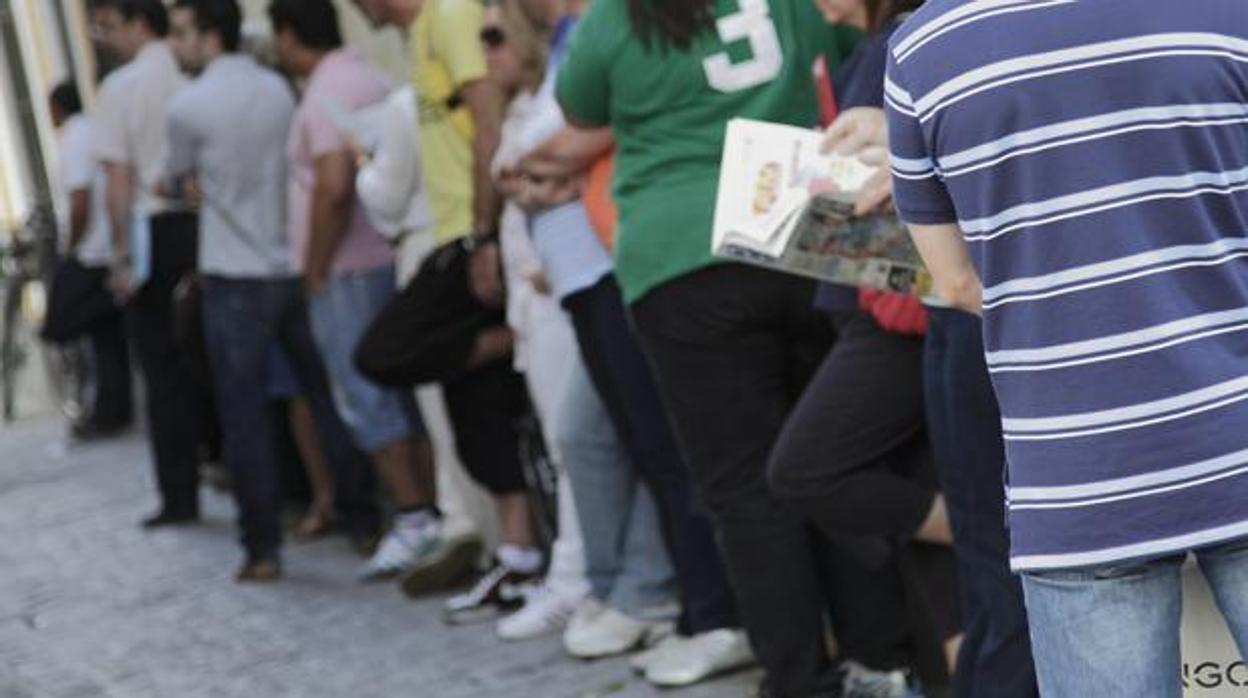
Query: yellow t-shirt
point(447, 54)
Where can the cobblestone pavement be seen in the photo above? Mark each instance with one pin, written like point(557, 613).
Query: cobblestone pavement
point(91, 607)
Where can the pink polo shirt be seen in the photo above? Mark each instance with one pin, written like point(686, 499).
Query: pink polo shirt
point(344, 78)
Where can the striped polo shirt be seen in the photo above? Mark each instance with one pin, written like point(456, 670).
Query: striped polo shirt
point(1094, 154)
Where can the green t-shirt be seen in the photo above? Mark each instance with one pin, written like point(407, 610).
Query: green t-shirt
point(668, 110)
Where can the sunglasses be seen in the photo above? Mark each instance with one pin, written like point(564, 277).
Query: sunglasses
point(493, 37)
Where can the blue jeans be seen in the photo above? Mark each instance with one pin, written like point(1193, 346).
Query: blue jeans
point(1113, 632)
point(626, 561)
point(243, 318)
point(625, 382)
point(341, 312)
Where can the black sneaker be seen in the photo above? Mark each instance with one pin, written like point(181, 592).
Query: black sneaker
point(497, 591)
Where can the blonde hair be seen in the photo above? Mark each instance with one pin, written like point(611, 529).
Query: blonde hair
point(524, 38)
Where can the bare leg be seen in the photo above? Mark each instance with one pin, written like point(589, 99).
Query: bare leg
point(406, 466)
point(515, 519)
point(952, 646)
point(303, 428)
point(936, 527)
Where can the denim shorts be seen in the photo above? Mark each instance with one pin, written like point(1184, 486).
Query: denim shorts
point(340, 313)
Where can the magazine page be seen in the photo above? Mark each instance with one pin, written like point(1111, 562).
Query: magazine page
point(768, 173)
point(784, 204)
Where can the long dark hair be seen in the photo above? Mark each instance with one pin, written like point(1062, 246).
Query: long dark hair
point(672, 23)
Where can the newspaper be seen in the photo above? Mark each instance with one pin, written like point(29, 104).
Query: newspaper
point(784, 205)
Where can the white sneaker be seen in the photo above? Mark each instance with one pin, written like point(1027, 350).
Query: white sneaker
point(586, 612)
point(400, 551)
point(693, 659)
point(601, 631)
point(643, 660)
point(544, 613)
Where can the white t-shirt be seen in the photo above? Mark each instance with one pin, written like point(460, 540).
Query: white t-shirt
point(130, 118)
point(79, 170)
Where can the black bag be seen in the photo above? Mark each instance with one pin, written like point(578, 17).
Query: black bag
point(426, 333)
point(78, 300)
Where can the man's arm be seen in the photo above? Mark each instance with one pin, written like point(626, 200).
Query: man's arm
point(119, 197)
point(332, 197)
point(79, 214)
point(946, 256)
point(570, 151)
point(485, 102)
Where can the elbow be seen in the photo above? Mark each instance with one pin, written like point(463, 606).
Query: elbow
point(964, 292)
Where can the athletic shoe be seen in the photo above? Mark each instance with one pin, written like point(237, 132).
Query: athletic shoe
point(601, 631)
point(545, 612)
point(643, 660)
point(861, 682)
point(400, 551)
point(688, 660)
point(499, 590)
point(448, 564)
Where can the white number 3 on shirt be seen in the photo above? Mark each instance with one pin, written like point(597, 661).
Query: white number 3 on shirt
point(752, 22)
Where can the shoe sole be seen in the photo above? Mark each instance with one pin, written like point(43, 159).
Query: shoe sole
point(478, 615)
point(717, 673)
point(648, 640)
point(444, 570)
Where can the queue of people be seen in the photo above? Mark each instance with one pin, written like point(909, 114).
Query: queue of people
point(863, 493)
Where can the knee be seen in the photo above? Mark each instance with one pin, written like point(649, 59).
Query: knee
point(784, 473)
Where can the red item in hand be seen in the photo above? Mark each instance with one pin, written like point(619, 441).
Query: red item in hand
point(894, 312)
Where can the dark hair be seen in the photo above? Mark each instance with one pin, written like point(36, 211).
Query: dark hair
point(882, 12)
point(65, 97)
point(672, 23)
point(314, 22)
point(220, 16)
point(152, 12)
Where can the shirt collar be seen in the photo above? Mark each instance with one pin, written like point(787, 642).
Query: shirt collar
point(155, 51)
point(343, 54)
point(227, 61)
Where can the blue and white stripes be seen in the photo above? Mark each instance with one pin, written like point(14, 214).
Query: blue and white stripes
point(1095, 157)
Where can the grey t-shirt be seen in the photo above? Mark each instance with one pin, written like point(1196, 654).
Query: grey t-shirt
point(229, 128)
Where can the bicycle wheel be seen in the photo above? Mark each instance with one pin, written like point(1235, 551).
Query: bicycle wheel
point(11, 351)
point(65, 367)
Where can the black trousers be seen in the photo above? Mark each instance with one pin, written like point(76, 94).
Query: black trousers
point(113, 403)
point(426, 334)
point(733, 348)
point(80, 304)
point(625, 382)
point(173, 399)
point(852, 455)
point(965, 426)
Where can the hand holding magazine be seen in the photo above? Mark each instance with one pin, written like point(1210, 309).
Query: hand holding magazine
point(785, 205)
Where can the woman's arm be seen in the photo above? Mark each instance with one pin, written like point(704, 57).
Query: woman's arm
point(389, 181)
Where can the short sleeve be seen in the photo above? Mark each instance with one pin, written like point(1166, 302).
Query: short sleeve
point(78, 165)
point(319, 132)
point(111, 138)
point(918, 189)
point(583, 85)
point(456, 34)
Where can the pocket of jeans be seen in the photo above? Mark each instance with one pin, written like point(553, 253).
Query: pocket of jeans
point(1119, 572)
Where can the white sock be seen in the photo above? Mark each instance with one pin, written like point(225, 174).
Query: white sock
point(416, 525)
point(520, 559)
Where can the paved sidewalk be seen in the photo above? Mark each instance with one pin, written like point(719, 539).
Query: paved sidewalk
point(91, 607)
